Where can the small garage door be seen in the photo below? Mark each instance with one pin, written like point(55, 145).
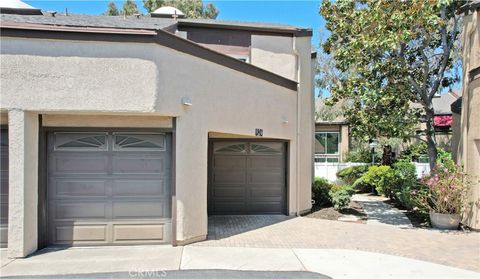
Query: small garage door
point(247, 178)
point(109, 187)
point(3, 187)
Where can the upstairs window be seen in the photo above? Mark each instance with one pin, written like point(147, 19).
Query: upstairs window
point(327, 146)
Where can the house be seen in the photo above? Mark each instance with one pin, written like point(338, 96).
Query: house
point(134, 130)
point(332, 139)
point(467, 140)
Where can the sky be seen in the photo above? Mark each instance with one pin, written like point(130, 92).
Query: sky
point(298, 13)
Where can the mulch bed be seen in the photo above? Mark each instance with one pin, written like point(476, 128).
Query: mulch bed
point(329, 213)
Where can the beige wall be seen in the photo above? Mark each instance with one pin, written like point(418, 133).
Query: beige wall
point(275, 54)
point(470, 124)
point(99, 120)
point(47, 76)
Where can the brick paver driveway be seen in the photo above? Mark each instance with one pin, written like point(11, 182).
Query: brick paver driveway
point(458, 249)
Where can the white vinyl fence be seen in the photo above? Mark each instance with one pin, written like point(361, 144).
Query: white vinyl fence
point(329, 170)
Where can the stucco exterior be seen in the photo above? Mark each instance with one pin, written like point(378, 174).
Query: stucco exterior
point(469, 155)
point(119, 84)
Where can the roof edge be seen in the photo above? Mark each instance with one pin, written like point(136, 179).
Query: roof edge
point(297, 32)
point(160, 37)
point(20, 11)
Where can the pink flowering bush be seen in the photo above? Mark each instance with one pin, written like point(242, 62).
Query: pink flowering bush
point(444, 191)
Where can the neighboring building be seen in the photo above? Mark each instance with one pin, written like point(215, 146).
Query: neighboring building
point(468, 153)
point(331, 133)
point(134, 131)
point(443, 118)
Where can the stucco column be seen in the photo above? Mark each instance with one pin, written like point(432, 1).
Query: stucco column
point(344, 144)
point(23, 183)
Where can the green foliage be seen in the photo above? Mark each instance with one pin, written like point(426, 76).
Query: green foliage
point(340, 196)
point(406, 181)
point(362, 155)
point(129, 8)
point(191, 8)
point(320, 190)
point(391, 54)
point(413, 152)
point(383, 178)
point(112, 9)
point(362, 186)
point(351, 174)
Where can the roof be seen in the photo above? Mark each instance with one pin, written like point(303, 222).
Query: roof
point(442, 103)
point(456, 106)
point(130, 22)
point(155, 23)
point(254, 26)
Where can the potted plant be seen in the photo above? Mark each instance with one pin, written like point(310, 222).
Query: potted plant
point(444, 195)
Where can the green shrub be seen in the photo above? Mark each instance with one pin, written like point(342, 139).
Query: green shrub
point(383, 178)
point(340, 195)
point(362, 186)
point(406, 180)
point(320, 190)
point(351, 174)
point(413, 152)
point(362, 155)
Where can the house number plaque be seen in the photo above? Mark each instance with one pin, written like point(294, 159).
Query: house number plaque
point(258, 132)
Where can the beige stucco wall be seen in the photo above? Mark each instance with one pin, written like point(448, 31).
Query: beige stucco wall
point(48, 76)
point(470, 124)
point(23, 182)
point(100, 120)
point(275, 54)
point(456, 132)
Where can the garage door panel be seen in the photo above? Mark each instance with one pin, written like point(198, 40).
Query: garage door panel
point(139, 209)
point(229, 191)
point(229, 177)
point(229, 162)
point(140, 188)
point(80, 163)
point(270, 177)
point(138, 164)
point(273, 191)
point(135, 232)
point(79, 210)
point(68, 234)
point(78, 188)
point(266, 162)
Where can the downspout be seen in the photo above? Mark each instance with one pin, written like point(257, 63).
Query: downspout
point(297, 160)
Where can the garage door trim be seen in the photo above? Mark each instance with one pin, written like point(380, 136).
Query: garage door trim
point(211, 142)
point(43, 236)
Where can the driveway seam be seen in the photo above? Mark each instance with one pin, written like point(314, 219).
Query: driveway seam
point(8, 263)
point(181, 259)
point(296, 256)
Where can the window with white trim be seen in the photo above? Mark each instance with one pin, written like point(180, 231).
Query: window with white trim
point(327, 146)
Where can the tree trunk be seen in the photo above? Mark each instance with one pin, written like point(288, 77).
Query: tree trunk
point(430, 137)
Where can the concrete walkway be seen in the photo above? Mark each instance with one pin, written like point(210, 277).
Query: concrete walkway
point(134, 260)
point(380, 213)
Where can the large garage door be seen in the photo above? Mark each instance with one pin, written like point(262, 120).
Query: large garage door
point(108, 188)
point(3, 187)
point(247, 178)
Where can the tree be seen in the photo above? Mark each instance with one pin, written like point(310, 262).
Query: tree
point(111, 9)
point(129, 8)
point(398, 55)
point(191, 8)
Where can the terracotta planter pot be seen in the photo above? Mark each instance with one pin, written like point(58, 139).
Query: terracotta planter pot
point(445, 221)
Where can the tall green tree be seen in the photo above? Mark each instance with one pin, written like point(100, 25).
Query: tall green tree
point(398, 55)
point(129, 8)
point(191, 8)
point(112, 9)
